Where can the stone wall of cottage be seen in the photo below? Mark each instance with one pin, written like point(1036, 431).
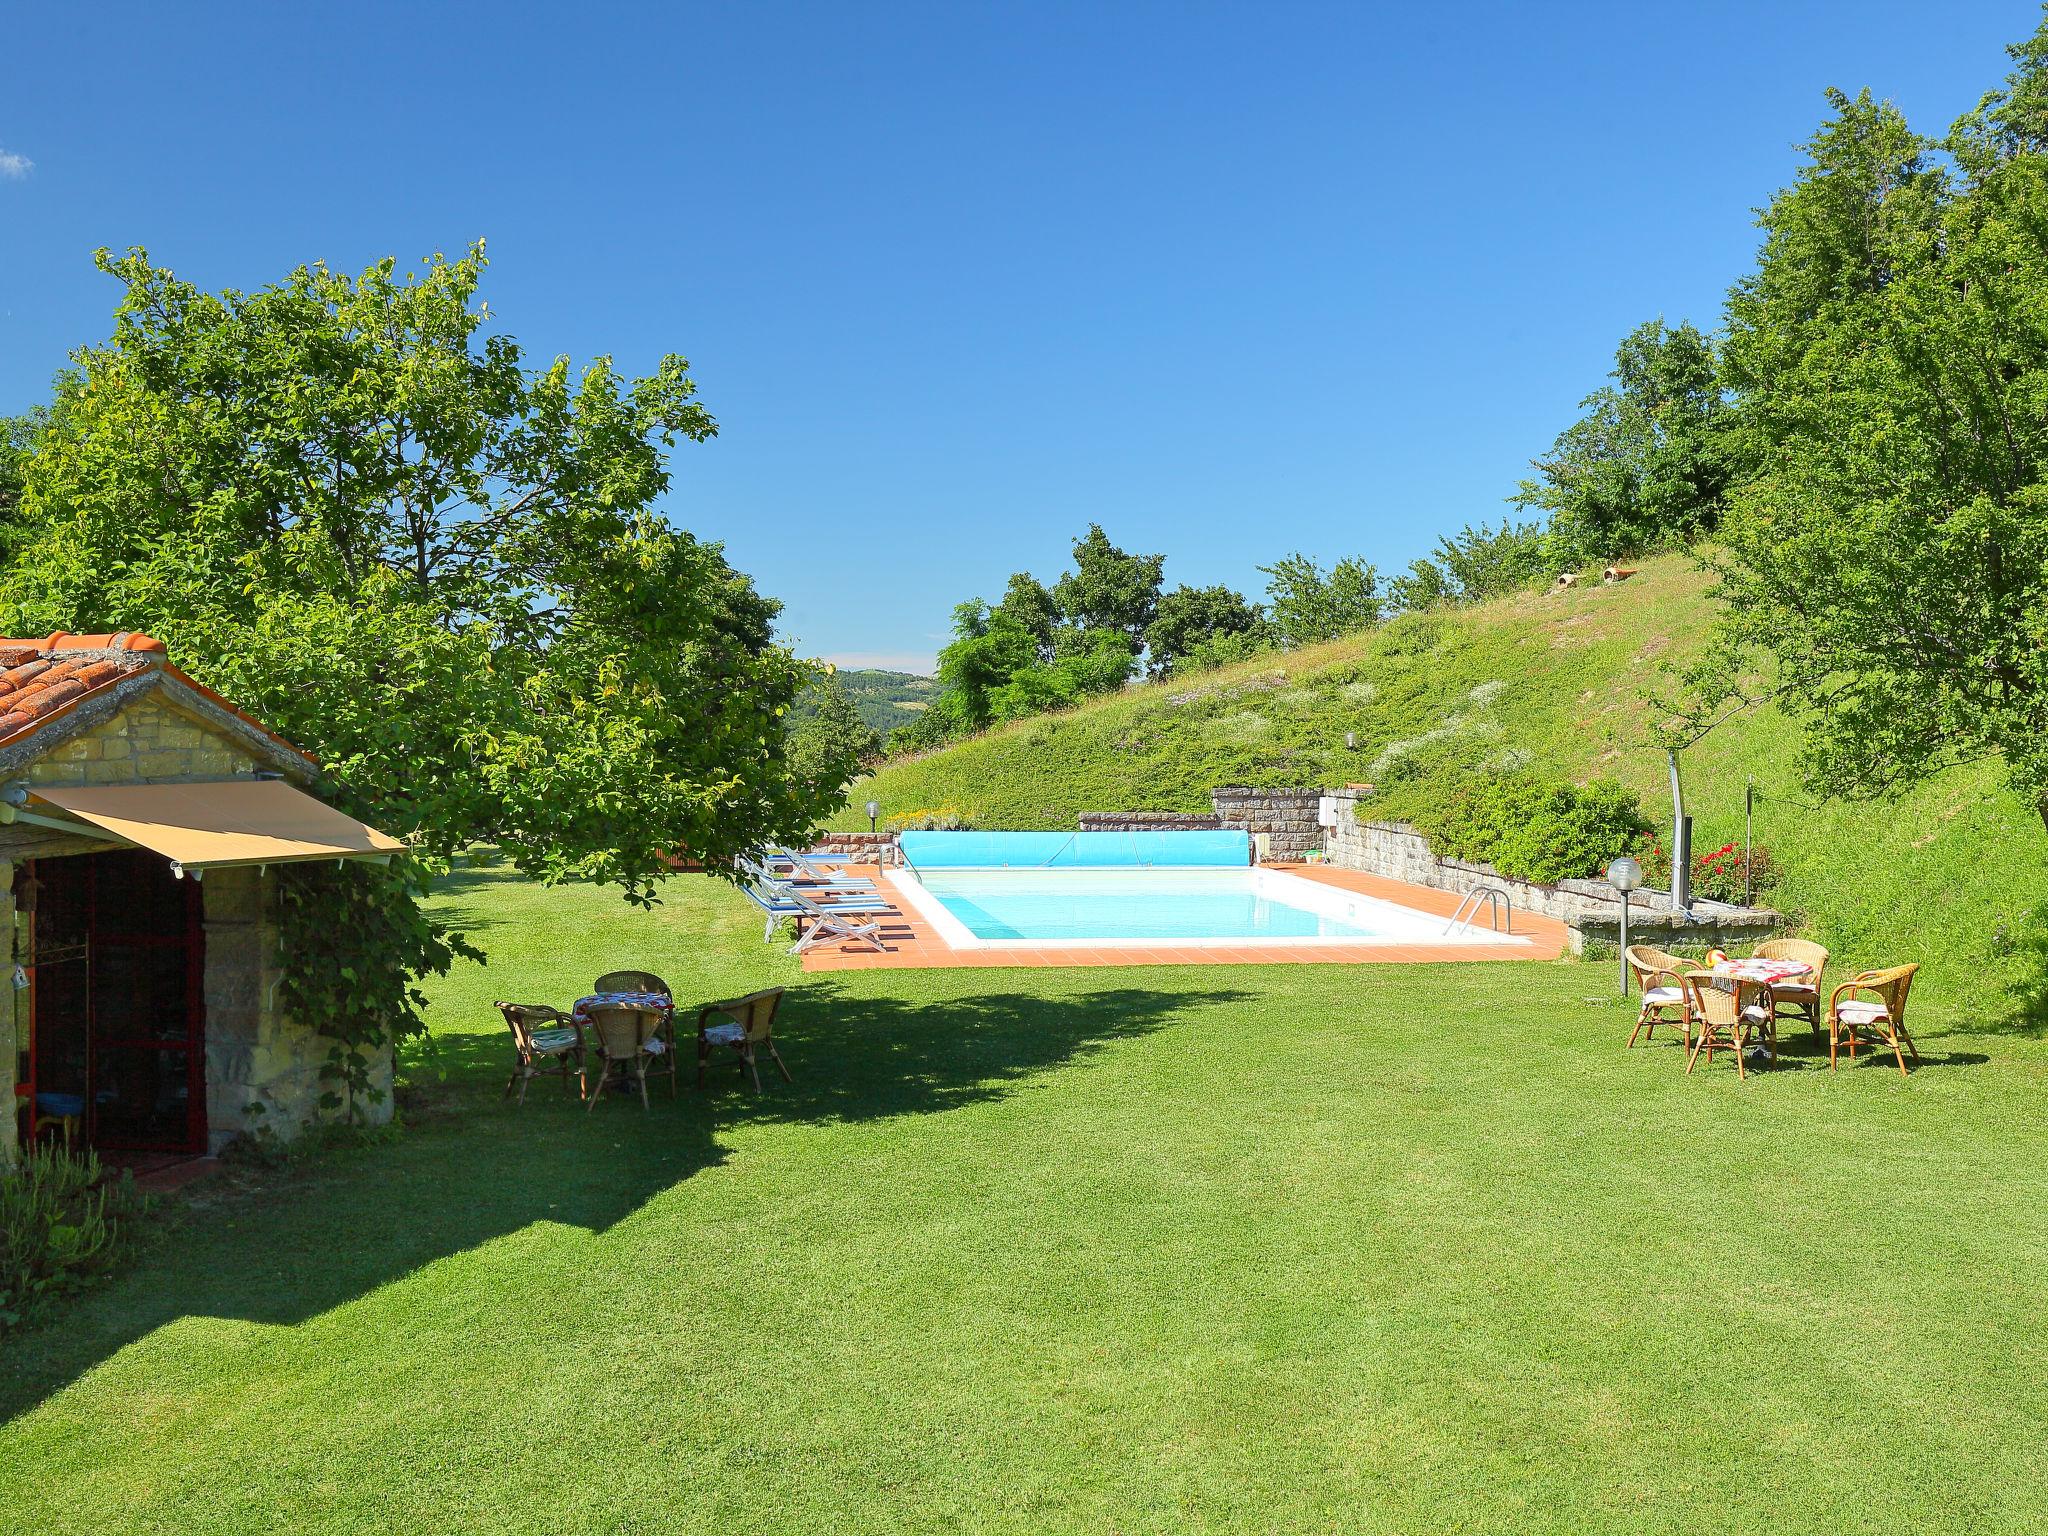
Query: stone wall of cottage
point(262, 1066)
point(147, 742)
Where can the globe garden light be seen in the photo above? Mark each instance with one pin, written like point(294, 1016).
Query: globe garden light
point(1625, 875)
point(874, 809)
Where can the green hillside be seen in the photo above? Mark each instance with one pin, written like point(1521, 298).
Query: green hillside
point(886, 699)
point(1551, 678)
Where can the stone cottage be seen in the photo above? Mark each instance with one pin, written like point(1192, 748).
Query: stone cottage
point(141, 820)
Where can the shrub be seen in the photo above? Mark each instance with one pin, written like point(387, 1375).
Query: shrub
point(1719, 875)
point(1224, 650)
point(63, 1222)
point(943, 818)
point(1523, 826)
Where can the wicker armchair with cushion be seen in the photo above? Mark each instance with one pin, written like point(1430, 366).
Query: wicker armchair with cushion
point(1796, 999)
point(1736, 1019)
point(744, 1025)
point(1661, 978)
point(629, 1046)
point(1878, 1019)
point(542, 1035)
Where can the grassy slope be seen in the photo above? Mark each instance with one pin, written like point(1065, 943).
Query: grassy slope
point(1556, 677)
point(1258, 1249)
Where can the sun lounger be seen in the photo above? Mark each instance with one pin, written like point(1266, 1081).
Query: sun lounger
point(766, 869)
point(826, 919)
point(816, 866)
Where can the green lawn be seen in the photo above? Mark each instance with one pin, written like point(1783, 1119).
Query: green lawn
point(1252, 1249)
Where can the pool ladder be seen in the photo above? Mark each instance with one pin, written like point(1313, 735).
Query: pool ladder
point(1500, 909)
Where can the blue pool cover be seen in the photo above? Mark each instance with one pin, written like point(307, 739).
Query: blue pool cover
point(1073, 850)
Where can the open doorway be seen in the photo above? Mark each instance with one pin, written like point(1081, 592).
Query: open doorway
point(118, 1001)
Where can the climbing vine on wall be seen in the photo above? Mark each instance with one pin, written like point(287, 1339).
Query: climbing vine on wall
point(354, 944)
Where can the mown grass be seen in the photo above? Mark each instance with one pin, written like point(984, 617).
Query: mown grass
point(1148, 1250)
point(1942, 875)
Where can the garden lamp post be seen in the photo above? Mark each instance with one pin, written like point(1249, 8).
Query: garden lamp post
point(874, 810)
point(1625, 875)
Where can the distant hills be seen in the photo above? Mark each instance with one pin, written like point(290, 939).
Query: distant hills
point(887, 699)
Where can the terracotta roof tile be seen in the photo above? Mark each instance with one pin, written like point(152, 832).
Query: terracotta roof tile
point(42, 679)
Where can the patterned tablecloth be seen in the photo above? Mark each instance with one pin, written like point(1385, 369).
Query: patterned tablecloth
point(1768, 972)
point(661, 1002)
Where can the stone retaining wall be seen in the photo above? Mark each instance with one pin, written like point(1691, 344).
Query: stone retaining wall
point(1288, 816)
point(1150, 821)
point(1589, 908)
point(861, 847)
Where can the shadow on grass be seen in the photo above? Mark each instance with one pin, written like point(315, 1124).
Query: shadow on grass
point(286, 1246)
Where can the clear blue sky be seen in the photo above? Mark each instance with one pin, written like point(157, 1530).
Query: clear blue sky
point(957, 279)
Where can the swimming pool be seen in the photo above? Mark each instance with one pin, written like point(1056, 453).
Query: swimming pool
point(1162, 907)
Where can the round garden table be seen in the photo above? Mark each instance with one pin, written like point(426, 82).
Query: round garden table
point(1729, 974)
point(660, 1002)
point(1765, 971)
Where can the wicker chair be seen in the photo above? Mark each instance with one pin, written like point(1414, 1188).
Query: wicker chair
point(631, 981)
point(1661, 979)
point(629, 1045)
point(1734, 1019)
point(1796, 999)
point(540, 1035)
point(749, 1024)
point(1851, 1018)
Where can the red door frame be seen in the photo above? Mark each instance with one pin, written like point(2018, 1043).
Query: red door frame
point(192, 940)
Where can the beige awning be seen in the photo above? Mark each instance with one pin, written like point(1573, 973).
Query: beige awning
point(219, 825)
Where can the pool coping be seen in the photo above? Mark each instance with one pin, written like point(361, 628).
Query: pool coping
point(911, 942)
point(917, 897)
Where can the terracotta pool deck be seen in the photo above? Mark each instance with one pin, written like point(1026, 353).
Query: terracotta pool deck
point(912, 945)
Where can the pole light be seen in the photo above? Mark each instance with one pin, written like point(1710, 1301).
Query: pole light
point(874, 810)
point(1625, 875)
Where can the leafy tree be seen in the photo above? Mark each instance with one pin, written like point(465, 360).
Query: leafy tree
point(1892, 557)
point(1029, 605)
point(1109, 589)
point(1423, 586)
point(992, 647)
point(1484, 562)
point(351, 508)
point(828, 740)
point(1651, 460)
point(1309, 604)
point(1476, 563)
point(1189, 617)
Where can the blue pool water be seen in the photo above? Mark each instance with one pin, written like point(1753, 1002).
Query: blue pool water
point(1117, 904)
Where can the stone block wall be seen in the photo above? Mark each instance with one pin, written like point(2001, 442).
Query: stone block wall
point(1589, 908)
point(1287, 815)
point(861, 847)
point(1150, 821)
point(262, 1066)
point(146, 742)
